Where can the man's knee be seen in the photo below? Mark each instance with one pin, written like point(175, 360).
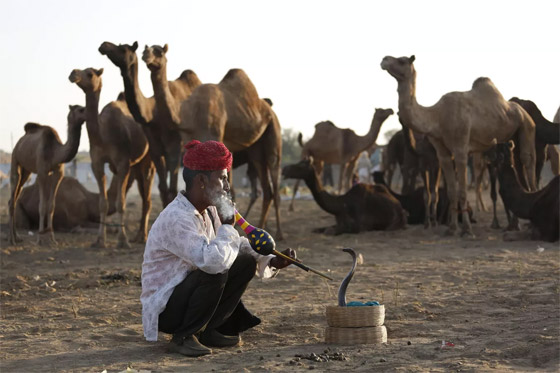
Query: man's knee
point(244, 265)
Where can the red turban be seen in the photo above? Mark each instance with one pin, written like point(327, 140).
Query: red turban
point(207, 156)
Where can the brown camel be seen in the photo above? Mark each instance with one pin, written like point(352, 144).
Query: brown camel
point(115, 138)
point(427, 162)
point(364, 207)
point(461, 123)
point(342, 146)
point(40, 151)
point(261, 161)
point(397, 153)
point(542, 207)
point(165, 142)
point(232, 112)
point(547, 134)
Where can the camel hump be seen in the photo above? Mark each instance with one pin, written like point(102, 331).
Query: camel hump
point(190, 78)
point(32, 127)
point(234, 74)
point(326, 124)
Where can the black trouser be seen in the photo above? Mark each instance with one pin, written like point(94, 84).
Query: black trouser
point(204, 301)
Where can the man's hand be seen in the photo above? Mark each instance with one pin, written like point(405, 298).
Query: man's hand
point(279, 262)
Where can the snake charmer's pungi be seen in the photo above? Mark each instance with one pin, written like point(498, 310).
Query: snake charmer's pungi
point(196, 266)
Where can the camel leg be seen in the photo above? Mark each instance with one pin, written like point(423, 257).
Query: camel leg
point(123, 173)
point(493, 195)
point(343, 167)
point(478, 172)
point(461, 159)
point(528, 154)
point(435, 177)
point(446, 164)
point(173, 168)
point(554, 158)
point(252, 175)
point(274, 171)
point(18, 177)
point(144, 174)
point(296, 186)
point(161, 171)
point(53, 182)
point(42, 180)
point(427, 199)
point(99, 174)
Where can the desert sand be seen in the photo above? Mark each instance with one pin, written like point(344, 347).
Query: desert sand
point(76, 308)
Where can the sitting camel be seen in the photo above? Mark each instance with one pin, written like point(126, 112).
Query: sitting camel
point(40, 151)
point(341, 146)
point(115, 138)
point(542, 207)
point(75, 206)
point(461, 123)
point(363, 208)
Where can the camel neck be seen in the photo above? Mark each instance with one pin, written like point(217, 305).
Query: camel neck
point(413, 115)
point(369, 139)
point(135, 99)
point(70, 148)
point(92, 120)
point(514, 196)
point(325, 200)
point(167, 108)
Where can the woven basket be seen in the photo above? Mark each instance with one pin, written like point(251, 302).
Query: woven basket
point(355, 317)
point(354, 336)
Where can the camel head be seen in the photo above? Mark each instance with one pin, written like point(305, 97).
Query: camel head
point(400, 68)
point(88, 79)
point(504, 154)
point(154, 57)
point(529, 106)
point(122, 55)
point(301, 170)
point(382, 114)
point(76, 115)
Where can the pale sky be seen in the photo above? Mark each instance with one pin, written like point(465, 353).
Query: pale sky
point(317, 60)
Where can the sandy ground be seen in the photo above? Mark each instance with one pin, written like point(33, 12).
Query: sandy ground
point(76, 308)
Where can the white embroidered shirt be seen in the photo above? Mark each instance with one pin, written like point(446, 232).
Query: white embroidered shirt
point(180, 241)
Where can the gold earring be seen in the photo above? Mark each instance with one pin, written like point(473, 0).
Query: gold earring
point(202, 187)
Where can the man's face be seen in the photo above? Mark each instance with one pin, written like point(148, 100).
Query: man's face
point(217, 186)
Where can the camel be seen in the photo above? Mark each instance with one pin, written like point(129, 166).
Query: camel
point(331, 144)
point(547, 133)
point(414, 204)
point(364, 207)
point(115, 138)
point(75, 207)
point(542, 207)
point(232, 112)
point(428, 166)
point(40, 151)
point(393, 156)
point(461, 123)
point(165, 143)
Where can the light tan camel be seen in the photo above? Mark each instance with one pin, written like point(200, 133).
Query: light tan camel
point(75, 207)
point(40, 151)
point(115, 138)
point(341, 146)
point(461, 123)
point(233, 113)
point(165, 142)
